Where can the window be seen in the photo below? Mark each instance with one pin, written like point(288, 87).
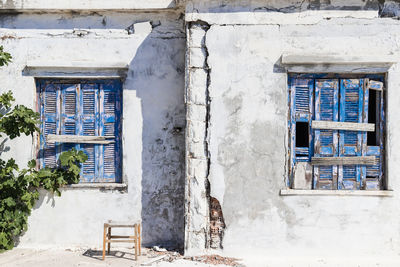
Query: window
point(336, 132)
point(84, 115)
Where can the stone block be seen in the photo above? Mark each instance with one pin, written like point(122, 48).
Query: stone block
point(197, 57)
point(196, 36)
point(196, 150)
point(196, 131)
point(196, 112)
point(197, 87)
point(197, 168)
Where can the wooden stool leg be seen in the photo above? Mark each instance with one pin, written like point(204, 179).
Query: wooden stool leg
point(136, 242)
point(104, 241)
point(140, 239)
point(109, 238)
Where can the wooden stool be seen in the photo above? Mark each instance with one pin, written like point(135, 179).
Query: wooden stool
point(108, 238)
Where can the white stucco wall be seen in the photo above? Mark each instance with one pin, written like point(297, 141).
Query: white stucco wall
point(85, 5)
point(247, 132)
point(153, 119)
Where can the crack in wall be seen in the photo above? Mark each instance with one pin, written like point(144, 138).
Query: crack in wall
point(204, 227)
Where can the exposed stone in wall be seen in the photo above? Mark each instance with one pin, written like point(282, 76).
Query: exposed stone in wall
point(197, 156)
point(217, 223)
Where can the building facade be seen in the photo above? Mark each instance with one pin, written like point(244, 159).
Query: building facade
point(258, 127)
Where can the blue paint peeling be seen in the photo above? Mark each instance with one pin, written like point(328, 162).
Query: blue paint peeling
point(87, 108)
point(336, 99)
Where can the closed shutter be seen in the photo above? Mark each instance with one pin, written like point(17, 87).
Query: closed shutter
point(49, 108)
point(89, 108)
point(326, 141)
point(109, 120)
point(352, 100)
point(68, 120)
point(89, 127)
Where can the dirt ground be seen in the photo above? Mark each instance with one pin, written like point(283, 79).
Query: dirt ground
point(121, 257)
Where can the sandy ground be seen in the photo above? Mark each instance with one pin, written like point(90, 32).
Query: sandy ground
point(58, 258)
point(124, 257)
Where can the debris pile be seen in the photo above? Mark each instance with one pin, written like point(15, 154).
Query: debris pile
point(215, 260)
point(156, 254)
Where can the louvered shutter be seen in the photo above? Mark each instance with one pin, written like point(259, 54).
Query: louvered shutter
point(89, 127)
point(49, 109)
point(326, 141)
point(69, 116)
point(352, 101)
point(110, 108)
point(374, 173)
point(302, 103)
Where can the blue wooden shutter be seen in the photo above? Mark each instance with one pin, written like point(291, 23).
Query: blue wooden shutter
point(374, 173)
point(69, 115)
point(89, 127)
point(352, 101)
point(110, 109)
point(326, 141)
point(49, 108)
point(302, 102)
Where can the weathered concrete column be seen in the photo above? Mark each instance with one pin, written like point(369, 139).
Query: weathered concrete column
point(197, 156)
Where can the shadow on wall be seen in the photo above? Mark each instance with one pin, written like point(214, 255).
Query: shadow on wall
point(156, 79)
point(156, 73)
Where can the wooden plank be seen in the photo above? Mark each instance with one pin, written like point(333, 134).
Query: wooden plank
point(123, 236)
point(122, 224)
point(52, 138)
point(375, 85)
point(327, 161)
point(346, 126)
point(121, 241)
point(371, 193)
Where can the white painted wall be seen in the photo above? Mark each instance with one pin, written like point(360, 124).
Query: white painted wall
point(248, 133)
point(85, 5)
point(153, 114)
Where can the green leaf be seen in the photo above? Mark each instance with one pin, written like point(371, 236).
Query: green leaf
point(32, 164)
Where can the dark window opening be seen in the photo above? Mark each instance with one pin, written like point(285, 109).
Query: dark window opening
point(372, 116)
point(302, 138)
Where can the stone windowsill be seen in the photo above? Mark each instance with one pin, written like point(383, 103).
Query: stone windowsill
point(298, 192)
point(111, 186)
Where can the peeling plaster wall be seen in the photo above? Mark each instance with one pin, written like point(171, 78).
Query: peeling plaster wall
point(247, 130)
point(153, 120)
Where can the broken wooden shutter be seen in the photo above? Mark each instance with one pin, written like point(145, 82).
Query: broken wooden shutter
point(326, 141)
point(49, 109)
point(89, 127)
point(374, 173)
point(69, 116)
point(301, 103)
point(352, 101)
point(109, 126)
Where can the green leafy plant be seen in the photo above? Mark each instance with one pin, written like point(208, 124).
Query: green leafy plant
point(19, 188)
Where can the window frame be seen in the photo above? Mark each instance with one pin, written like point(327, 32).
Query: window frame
point(381, 121)
point(104, 82)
